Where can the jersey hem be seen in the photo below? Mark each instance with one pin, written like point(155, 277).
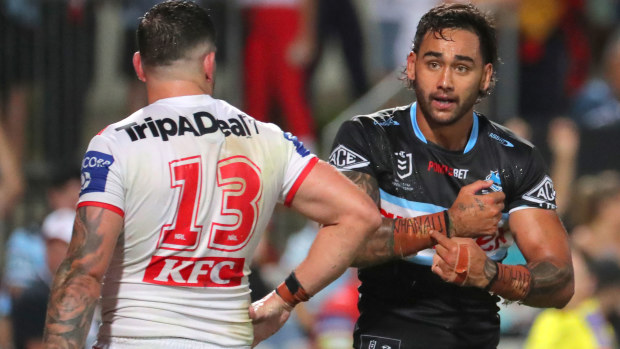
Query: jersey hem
point(102, 205)
point(299, 180)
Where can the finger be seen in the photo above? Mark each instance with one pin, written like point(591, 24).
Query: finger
point(441, 239)
point(476, 186)
point(441, 268)
point(442, 252)
point(252, 313)
point(495, 197)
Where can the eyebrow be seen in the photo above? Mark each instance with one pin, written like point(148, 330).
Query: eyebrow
point(440, 55)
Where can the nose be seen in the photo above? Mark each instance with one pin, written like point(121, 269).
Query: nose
point(445, 81)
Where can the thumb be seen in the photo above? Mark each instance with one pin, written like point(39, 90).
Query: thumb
point(476, 186)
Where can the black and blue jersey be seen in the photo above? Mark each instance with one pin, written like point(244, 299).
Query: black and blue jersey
point(417, 177)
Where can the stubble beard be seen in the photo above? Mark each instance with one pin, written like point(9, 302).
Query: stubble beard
point(424, 103)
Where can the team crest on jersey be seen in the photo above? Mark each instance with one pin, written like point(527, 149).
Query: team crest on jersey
point(95, 168)
point(404, 164)
point(346, 159)
point(497, 182)
point(542, 194)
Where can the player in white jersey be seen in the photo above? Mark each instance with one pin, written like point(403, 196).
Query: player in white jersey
point(174, 201)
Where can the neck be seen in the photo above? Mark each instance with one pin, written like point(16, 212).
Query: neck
point(452, 137)
point(161, 89)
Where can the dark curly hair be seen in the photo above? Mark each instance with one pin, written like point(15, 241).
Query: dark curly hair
point(171, 29)
point(459, 16)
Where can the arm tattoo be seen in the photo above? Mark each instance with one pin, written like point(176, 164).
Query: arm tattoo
point(380, 246)
point(547, 278)
point(74, 292)
point(367, 183)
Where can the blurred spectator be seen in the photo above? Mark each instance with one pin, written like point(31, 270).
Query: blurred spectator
point(339, 18)
point(397, 21)
point(554, 59)
point(68, 38)
point(337, 315)
point(131, 10)
point(597, 112)
point(20, 23)
point(595, 215)
point(563, 141)
point(279, 44)
point(581, 324)
point(11, 181)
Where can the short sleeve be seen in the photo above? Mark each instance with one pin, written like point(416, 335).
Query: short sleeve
point(299, 164)
point(351, 151)
point(535, 187)
point(101, 177)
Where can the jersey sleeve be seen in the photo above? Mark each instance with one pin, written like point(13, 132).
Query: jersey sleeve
point(299, 163)
point(101, 177)
point(535, 189)
point(351, 150)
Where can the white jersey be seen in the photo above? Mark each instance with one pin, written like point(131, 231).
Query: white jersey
point(196, 181)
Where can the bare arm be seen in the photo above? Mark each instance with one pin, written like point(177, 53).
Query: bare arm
point(470, 215)
point(348, 217)
point(11, 185)
point(77, 284)
point(542, 239)
point(545, 281)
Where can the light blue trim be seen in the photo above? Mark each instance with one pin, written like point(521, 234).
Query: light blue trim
point(412, 205)
point(422, 260)
point(473, 136)
point(414, 122)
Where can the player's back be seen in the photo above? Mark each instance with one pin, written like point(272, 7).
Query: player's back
point(196, 181)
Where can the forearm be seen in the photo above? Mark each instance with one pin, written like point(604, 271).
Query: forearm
point(331, 254)
point(401, 237)
point(537, 284)
point(71, 306)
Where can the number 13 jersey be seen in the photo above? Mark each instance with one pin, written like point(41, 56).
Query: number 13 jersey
point(196, 181)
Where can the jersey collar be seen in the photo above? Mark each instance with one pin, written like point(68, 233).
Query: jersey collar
point(473, 136)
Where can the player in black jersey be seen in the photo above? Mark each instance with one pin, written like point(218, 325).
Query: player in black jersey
point(418, 160)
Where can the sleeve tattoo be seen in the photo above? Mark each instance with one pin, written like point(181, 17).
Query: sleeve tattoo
point(380, 246)
point(75, 291)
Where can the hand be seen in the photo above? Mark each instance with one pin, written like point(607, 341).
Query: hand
point(563, 138)
point(473, 215)
point(268, 315)
point(460, 261)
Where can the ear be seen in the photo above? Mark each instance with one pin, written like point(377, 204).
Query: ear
point(486, 76)
point(411, 59)
point(208, 65)
point(137, 66)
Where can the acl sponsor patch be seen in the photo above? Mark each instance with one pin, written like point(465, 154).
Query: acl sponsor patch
point(346, 159)
point(542, 194)
point(376, 342)
point(95, 168)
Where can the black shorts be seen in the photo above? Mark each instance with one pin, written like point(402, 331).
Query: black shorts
point(390, 331)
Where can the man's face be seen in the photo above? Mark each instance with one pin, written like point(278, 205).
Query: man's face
point(448, 75)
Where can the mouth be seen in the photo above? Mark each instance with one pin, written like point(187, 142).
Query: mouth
point(443, 102)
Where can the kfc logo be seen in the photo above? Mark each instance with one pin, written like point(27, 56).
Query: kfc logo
point(195, 272)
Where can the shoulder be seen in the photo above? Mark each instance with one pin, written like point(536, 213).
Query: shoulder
point(504, 137)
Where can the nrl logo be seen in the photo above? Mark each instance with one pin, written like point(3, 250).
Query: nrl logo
point(404, 164)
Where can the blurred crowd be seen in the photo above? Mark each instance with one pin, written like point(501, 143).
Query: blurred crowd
point(559, 87)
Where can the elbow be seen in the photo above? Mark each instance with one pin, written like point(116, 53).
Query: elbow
point(565, 296)
point(370, 219)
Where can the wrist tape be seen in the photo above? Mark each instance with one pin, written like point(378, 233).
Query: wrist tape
point(512, 282)
point(291, 291)
point(411, 235)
